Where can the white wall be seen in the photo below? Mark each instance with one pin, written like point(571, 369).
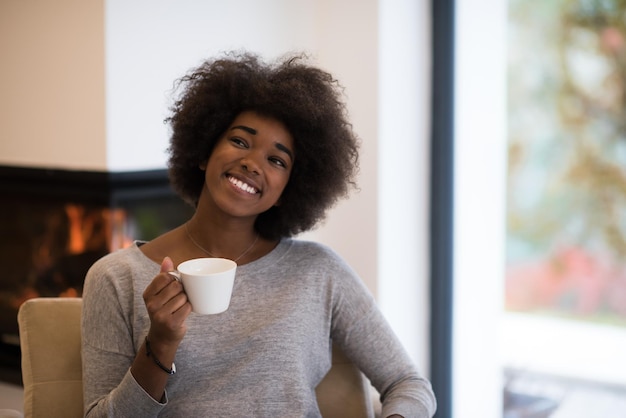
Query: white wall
point(376, 48)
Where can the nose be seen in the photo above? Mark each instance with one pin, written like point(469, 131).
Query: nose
point(249, 163)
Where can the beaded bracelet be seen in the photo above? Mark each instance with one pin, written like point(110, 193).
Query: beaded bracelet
point(149, 353)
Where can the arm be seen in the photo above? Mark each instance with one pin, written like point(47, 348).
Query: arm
point(113, 331)
point(365, 336)
point(375, 349)
point(168, 308)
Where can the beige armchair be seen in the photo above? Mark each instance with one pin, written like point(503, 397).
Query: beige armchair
point(51, 366)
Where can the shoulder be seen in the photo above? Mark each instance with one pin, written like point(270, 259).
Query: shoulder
point(120, 266)
point(122, 258)
point(311, 251)
point(317, 259)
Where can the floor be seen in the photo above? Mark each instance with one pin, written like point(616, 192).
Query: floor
point(11, 397)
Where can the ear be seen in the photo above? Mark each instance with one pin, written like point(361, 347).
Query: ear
point(203, 165)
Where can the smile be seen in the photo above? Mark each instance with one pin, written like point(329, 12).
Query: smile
point(242, 186)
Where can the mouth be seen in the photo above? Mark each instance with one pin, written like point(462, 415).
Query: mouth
point(243, 186)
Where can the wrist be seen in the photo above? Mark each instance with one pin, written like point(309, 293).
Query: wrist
point(169, 370)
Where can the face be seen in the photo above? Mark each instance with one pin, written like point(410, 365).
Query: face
point(249, 166)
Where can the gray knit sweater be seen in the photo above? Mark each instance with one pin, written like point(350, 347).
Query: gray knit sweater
point(263, 357)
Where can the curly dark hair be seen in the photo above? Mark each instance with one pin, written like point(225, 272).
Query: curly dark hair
point(306, 99)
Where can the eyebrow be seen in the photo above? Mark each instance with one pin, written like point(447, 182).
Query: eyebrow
point(253, 131)
point(248, 129)
point(284, 149)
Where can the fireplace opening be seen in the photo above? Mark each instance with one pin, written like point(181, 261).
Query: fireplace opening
point(55, 224)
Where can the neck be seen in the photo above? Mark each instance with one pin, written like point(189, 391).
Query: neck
point(219, 243)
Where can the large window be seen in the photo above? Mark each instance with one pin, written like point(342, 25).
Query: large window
point(535, 278)
point(565, 277)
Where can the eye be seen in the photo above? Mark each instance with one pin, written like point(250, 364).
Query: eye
point(278, 161)
point(238, 142)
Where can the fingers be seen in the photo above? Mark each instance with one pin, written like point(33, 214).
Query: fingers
point(167, 265)
point(163, 280)
point(167, 302)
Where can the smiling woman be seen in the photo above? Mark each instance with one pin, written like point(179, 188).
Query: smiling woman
point(306, 99)
point(261, 151)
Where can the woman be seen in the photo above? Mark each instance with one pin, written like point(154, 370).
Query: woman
point(261, 151)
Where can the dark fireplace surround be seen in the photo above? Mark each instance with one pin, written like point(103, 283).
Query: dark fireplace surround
point(56, 223)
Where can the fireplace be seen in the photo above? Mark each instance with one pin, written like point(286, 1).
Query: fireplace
point(55, 223)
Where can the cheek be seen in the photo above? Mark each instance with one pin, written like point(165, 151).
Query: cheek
point(284, 184)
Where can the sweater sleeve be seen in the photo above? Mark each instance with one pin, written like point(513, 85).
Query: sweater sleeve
point(367, 338)
point(108, 347)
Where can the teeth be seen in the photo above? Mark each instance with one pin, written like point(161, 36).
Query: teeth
point(241, 185)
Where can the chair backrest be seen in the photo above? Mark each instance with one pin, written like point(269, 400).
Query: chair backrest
point(344, 392)
point(51, 361)
point(52, 368)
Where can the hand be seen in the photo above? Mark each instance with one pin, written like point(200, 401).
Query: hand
point(167, 306)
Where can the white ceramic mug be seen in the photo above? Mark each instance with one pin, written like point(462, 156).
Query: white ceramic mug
point(208, 283)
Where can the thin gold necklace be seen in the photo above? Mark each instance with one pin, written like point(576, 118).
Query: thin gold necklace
point(214, 256)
